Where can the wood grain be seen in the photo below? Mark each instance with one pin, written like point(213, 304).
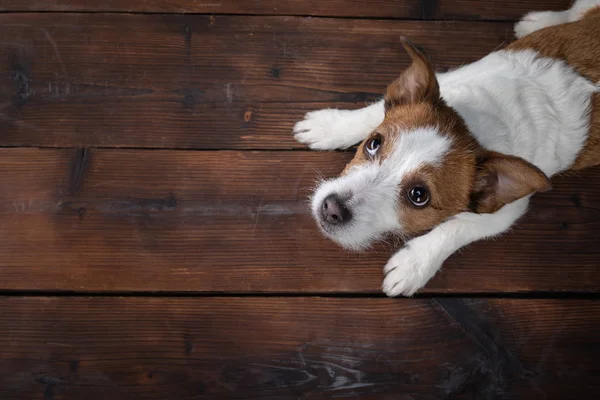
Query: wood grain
point(428, 9)
point(224, 221)
point(341, 8)
point(288, 348)
point(507, 10)
point(212, 225)
point(207, 82)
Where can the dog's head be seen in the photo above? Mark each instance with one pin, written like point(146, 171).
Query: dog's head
point(420, 167)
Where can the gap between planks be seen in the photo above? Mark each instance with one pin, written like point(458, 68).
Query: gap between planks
point(323, 16)
point(541, 295)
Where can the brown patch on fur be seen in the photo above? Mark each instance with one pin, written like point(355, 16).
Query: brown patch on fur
point(416, 84)
point(591, 13)
point(590, 155)
point(411, 117)
point(578, 44)
point(414, 116)
point(449, 186)
point(502, 179)
point(361, 155)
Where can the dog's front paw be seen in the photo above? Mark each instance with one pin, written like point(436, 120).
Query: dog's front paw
point(320, 130)
point(408, 271)
point(534, 21)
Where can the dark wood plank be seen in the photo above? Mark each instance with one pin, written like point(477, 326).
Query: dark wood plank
point(289, 348)
point(158, 220)
point(340, 8)
point(505, 10)
point(182, 81)
point(429, 9)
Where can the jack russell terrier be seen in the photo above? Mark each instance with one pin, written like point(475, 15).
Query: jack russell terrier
point(450, 158)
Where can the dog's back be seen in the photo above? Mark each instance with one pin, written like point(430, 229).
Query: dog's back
point(578, 43)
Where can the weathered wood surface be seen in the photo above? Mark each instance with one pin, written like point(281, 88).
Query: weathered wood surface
point(309, 348)
point(209, 82)
point(110, 221)
point(511, 10)
point(410, 9)
point(225, 221)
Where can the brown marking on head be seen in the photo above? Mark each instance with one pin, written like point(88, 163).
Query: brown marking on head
point(448, 190)
point(466, 177)
point(404, 119)
point(417, 84)
point(412, 101)
point(502, 179)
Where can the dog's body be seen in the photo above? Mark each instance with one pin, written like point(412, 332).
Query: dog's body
point(457, 155)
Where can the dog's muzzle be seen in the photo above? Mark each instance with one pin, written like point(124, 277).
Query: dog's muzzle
point(333, 211)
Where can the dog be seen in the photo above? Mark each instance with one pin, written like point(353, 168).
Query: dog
point(451, 158)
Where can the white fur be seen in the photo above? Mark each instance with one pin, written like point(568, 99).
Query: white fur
point(372, 191)
point(514, 103)
point(338, 129)
point(520, 104)
point(412, 266)
point(542, 19)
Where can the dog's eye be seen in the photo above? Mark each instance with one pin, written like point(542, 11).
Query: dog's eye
point(419, 196)
point(373, 145)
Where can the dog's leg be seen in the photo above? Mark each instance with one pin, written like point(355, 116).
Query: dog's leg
point(542, 19)
point(417, 262)
point(534, 21)
point(331, 129)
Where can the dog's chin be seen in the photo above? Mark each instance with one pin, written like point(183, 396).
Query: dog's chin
point(346, 236)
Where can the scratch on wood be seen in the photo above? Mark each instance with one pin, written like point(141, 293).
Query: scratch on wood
point(228, 94)
point(257, 215)
point(139, 206)
point(145, 206)
point(338, 366)
point(294, 58)
point(79, 166)
point(187, 37)
point(56, 51)
point(58, 344)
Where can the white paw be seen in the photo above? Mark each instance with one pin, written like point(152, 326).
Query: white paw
point(535, 21)
point(409, 270)
point(323, 130)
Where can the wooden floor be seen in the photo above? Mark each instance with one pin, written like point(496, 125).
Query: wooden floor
point(155, 240)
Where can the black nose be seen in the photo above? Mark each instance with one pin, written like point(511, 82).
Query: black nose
point(334, 211)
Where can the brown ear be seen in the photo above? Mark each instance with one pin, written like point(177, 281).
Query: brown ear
point(416, 84)
point(502, 179)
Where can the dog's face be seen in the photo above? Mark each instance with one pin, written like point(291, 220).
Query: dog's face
point(420, 167)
